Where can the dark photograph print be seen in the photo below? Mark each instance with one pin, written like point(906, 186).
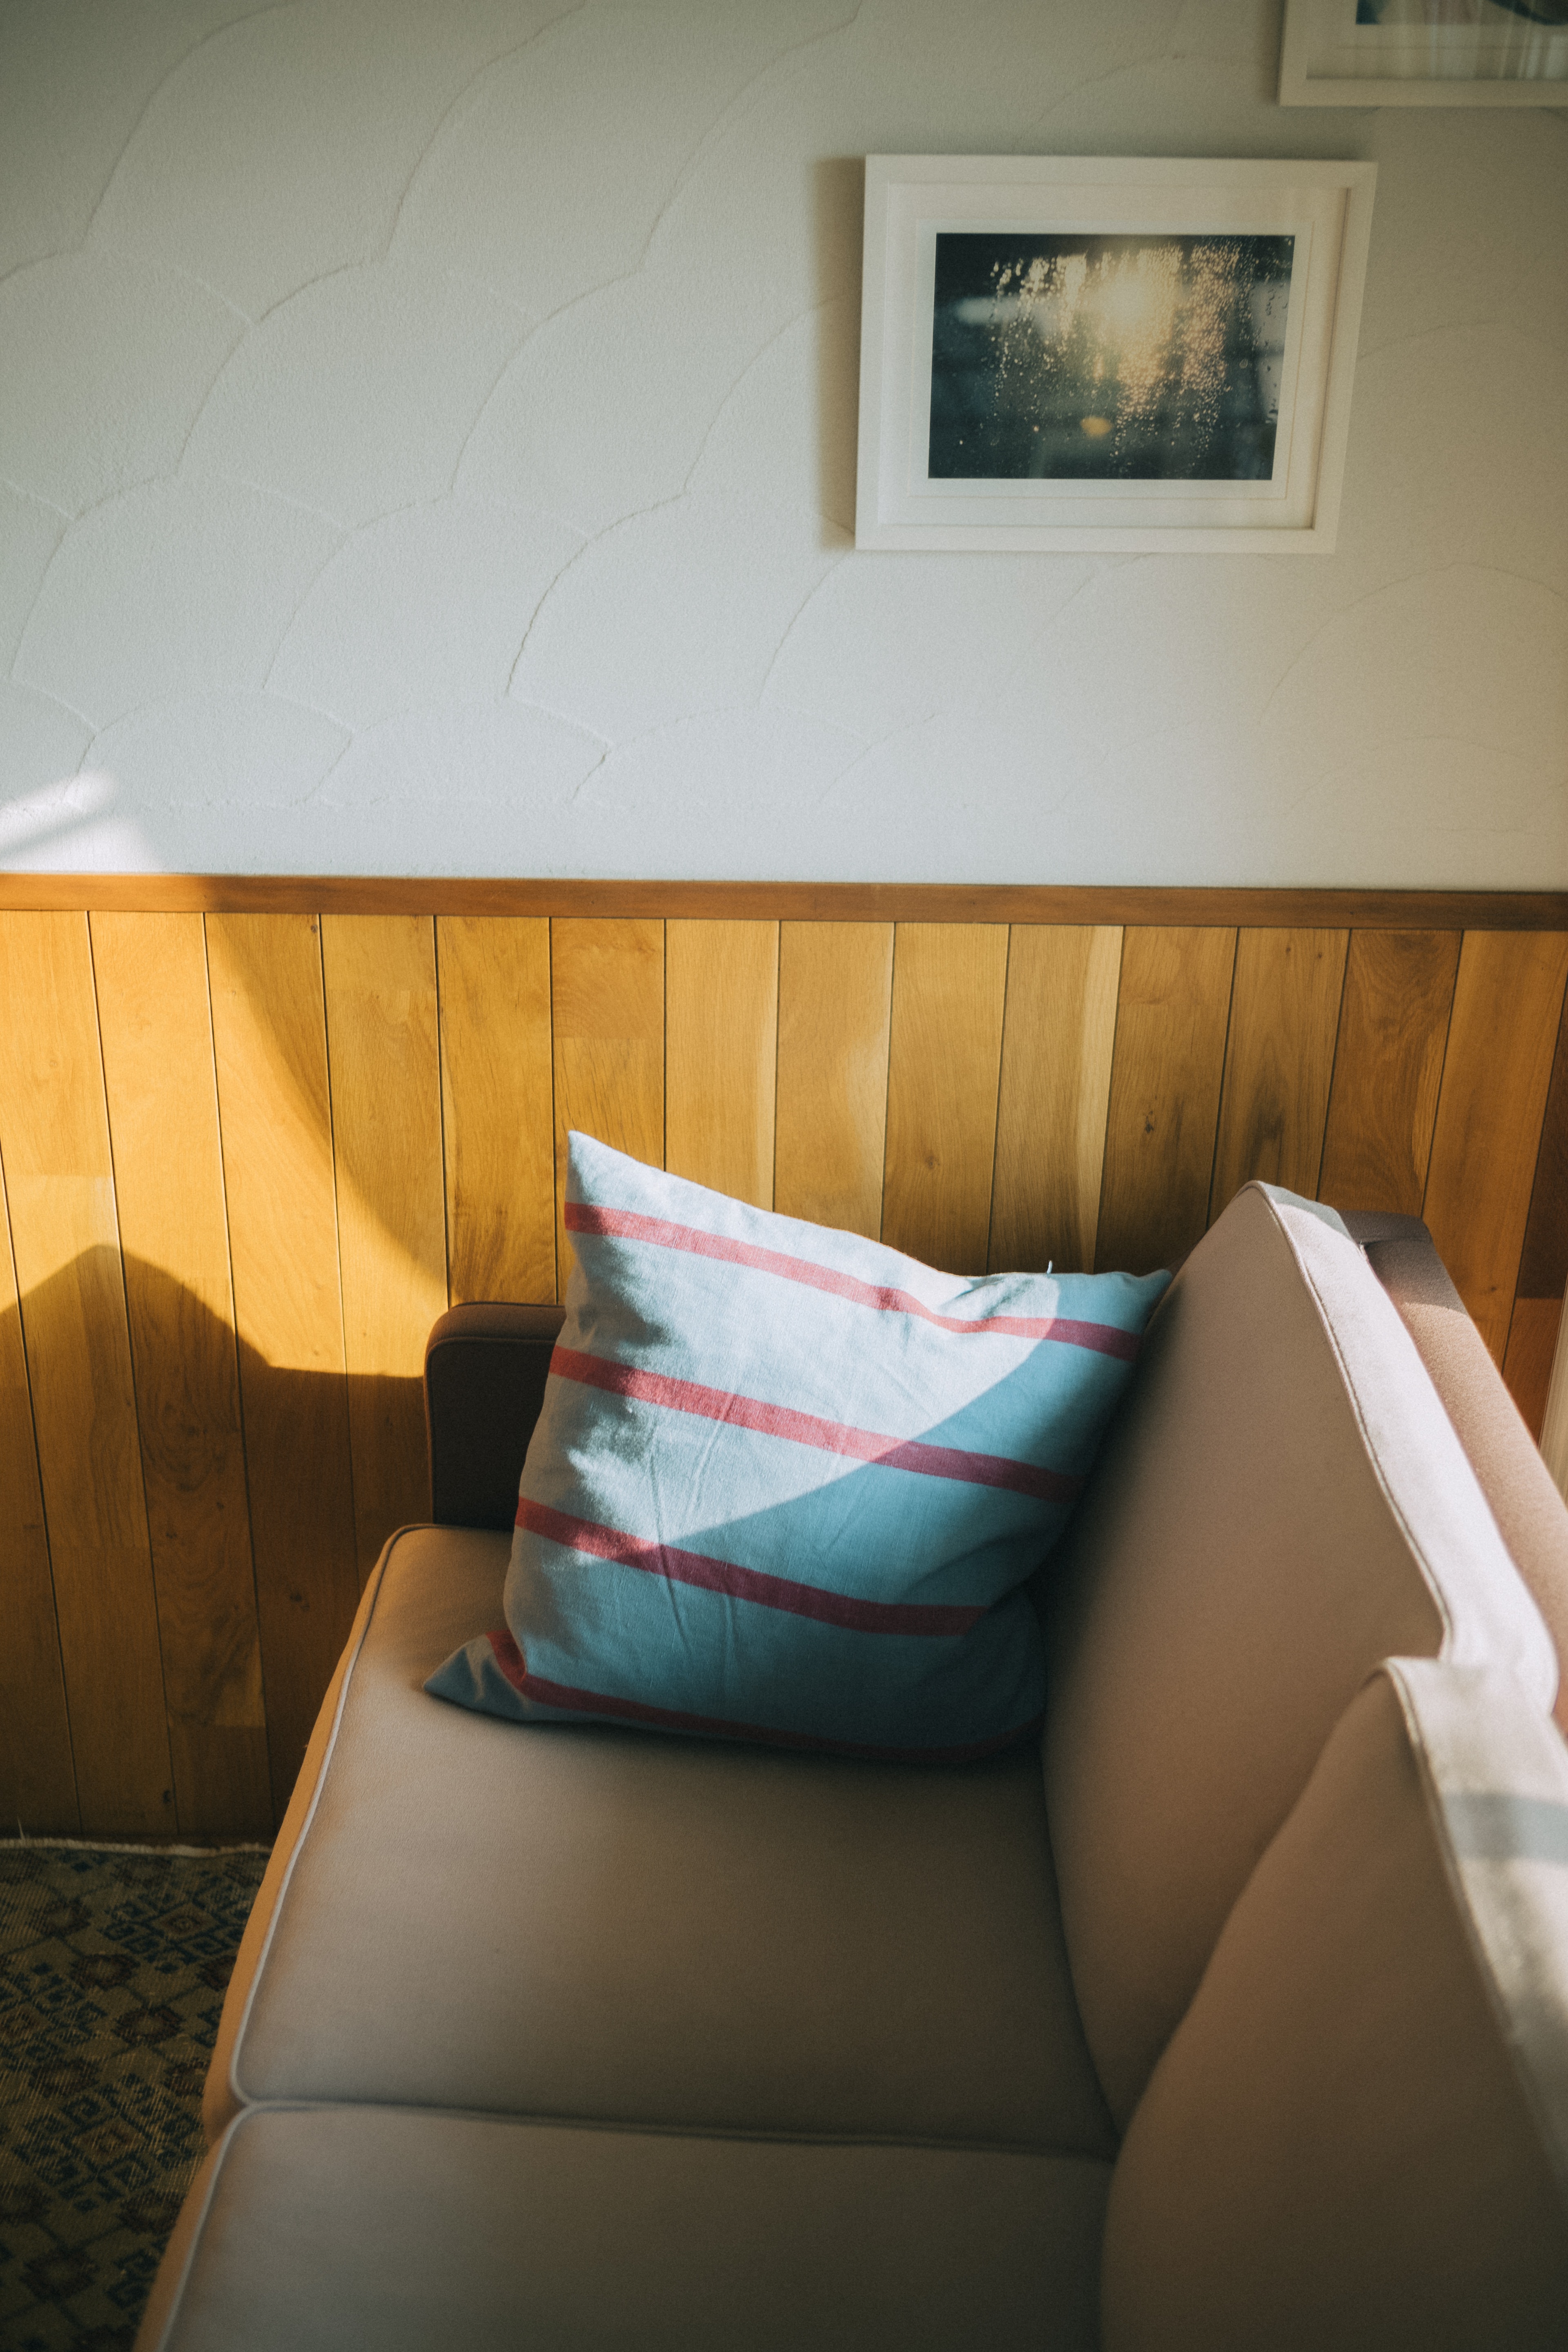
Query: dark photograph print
point(1553, 13)
point(1076, 357)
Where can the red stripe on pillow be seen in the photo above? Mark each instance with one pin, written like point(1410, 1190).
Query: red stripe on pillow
point(743, 1583)
point(514, 1667)
point(809, 1429)
point(628, 1226)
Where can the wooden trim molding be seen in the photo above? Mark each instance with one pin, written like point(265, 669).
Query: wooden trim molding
point(828, 902)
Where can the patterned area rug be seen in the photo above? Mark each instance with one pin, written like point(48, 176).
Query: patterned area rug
point(113, 1968)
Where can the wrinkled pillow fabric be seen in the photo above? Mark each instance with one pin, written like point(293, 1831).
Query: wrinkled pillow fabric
point(789, 1485)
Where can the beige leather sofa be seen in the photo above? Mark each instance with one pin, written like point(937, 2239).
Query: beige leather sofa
point(1244, 2023)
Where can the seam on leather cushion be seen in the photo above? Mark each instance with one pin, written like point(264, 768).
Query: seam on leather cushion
point(615, 2129)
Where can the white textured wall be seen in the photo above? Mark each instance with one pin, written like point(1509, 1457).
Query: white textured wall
point(427, 445)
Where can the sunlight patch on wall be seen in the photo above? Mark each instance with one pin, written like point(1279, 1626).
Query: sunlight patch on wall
point(73, 827)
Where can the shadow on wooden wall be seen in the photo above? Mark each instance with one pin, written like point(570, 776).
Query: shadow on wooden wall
point(247, 1159)
point(182, 1570)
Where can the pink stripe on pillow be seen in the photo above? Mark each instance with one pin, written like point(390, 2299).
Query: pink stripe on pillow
point(514, 1667)
point(743, 1583)
point(628, 1226)
point(809, 1429)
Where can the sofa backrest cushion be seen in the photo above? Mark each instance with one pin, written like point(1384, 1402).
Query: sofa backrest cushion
point(1280, 1504)
point(1358, 2136)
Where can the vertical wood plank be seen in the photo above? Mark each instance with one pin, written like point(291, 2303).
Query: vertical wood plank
point(1388, 1066)
point(1543, 1261)
point(493, 975)
point(607, 1013)
point(1170, 1020)
point(54, 1138)
point(722, 1027)
point(1528, 1359)
point(835, 986)
point(949, 984)
point(383, 1065)
point(270, 1033)
point(1279, 1061)
point(163, 1116)
point(1057, 1045)
point(1501, 1041)
point(37, 1774)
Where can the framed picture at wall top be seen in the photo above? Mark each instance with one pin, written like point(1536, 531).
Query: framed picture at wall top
point(1096, 354)
point(1425, 53)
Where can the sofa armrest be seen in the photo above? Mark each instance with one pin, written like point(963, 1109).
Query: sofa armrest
point(485, 1368)
point(1517, 1484)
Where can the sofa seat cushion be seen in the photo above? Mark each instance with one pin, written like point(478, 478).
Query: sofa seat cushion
point(376, 2230)
point(577, 1922)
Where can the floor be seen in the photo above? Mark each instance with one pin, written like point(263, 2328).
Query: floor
point(113, 1968)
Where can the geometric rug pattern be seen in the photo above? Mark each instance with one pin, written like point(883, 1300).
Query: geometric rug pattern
point(112, 1969)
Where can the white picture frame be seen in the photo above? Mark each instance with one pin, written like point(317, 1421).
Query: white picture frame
point(1285, 245)
point(1492, 54)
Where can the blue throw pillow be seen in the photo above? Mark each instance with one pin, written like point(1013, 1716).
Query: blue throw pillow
point(789, 1485)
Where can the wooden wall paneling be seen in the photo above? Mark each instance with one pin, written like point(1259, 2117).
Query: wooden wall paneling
point(1171, 1015)
point(54, 1138)
point(37, 1773)
point(383, 1065)
point(950, 985)
point(493, 979)
point(1388, 1066)
point(1057, 1045)
point(158, 1072)
point(607, 1013)
point(1279, 1061)
point(720, 1055)
point(1528, 1357)
point(1543, 1260)
point(270, 1033)
point(836, 985)
point(1508, 1003)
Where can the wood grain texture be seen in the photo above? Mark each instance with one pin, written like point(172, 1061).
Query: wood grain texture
point(37, 1773)
point(1279, 1062)
point(836, 985)
point(1502, 1038)
point(54, 1139)
point(825, 902)
point(1543, 1261)
point(1074, 1113)
point(607, 994)
point(383, 1062)
point(1057, 1045)
point(270, 1033)
point(1553, 1439)
point(720, 1056)
point(156, 1031)
point(497, 1087)
point(950, 986)
point(1165, 1075)
point(1388, 1068)
point(1527, 1362)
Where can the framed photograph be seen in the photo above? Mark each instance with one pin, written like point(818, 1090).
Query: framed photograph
point(1107, 356)
point(1425, 53)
